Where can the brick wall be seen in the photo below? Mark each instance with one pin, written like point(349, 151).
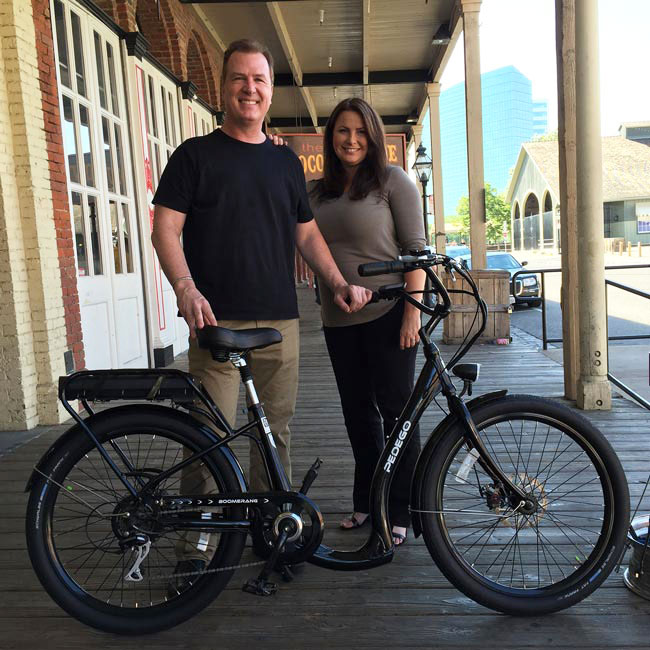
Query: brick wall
point(56, 162)
point(177, 38)
point(32, 314)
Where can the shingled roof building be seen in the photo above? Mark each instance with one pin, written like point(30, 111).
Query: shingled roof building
point(534, 194)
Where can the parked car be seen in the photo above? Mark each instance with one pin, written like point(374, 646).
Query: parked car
point(525, 289)
point(457, 250)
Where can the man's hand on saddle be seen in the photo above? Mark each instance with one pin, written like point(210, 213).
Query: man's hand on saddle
point(194, 308)
point(351, 298)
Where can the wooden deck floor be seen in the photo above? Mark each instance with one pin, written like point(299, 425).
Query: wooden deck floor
point(406, 604)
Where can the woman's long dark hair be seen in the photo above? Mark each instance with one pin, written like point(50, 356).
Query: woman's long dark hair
point(371, 172)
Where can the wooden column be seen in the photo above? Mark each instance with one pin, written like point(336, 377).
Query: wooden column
point(474, 116)
point(433, 92)
point(594, 391)
point(566, 113)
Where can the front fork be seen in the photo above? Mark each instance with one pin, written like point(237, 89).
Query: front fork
point(433, 380)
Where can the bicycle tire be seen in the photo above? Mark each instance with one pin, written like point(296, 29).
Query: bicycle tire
point(544, 561)
point(60, 529)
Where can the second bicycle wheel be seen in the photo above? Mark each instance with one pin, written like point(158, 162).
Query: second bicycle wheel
point(519, 562)
point(108, 558)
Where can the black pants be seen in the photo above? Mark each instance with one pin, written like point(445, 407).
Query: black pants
point(375, 379)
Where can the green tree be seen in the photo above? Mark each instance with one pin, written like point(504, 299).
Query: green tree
point(545, 137)
point(497, 213)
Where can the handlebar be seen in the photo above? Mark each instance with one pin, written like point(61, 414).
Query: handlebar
point(381, 268)
point(404, 264)
point(425, 260)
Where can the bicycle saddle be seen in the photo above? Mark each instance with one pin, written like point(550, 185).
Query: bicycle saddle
point(223, 339)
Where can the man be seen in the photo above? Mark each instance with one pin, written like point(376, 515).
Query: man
point(240, 203)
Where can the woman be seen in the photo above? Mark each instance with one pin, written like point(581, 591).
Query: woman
point(369, 211)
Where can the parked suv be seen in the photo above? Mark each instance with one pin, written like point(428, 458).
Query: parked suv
point(525, 289)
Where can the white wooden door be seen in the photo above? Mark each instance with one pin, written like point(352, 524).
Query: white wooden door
point(91, 92)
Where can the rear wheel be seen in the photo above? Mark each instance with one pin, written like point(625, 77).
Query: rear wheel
point(560, 546)
point(104, 556)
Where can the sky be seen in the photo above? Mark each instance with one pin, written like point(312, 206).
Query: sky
point(522, 33)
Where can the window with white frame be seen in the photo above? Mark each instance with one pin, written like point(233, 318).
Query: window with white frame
point(95, 143)
point(643, 217)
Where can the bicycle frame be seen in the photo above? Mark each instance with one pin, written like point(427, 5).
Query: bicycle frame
point(183, 390)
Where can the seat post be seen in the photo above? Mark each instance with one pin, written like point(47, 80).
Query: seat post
point(239, 362)
point(277, 474)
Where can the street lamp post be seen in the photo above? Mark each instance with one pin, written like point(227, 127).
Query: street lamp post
point(423, 169)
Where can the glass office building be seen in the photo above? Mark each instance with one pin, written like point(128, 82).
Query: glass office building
point(510, 117)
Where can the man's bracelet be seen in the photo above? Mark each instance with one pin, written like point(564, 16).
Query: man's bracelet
point(183, 277)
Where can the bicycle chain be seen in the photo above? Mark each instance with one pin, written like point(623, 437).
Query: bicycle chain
point(233, 567)
point(186, 574)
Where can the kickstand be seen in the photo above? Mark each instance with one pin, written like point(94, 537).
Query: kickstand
point(260, 586)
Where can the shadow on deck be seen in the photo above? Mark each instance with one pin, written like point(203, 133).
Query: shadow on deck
point(405, 604)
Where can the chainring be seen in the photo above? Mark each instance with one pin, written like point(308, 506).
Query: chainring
point(264, 534)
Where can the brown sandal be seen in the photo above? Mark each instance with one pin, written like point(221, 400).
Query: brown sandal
point(354, 521)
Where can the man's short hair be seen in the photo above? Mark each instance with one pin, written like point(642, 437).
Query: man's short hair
point(247, 46)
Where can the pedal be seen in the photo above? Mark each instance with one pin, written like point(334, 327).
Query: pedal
point(260, 587)
point(286, 573)
point(310, 476)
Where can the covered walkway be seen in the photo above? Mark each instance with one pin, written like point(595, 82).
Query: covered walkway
point(405, 604)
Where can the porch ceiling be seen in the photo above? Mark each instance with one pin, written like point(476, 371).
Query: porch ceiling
point(380, 49)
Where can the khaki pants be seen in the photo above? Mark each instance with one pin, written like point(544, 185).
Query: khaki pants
point(275, 375)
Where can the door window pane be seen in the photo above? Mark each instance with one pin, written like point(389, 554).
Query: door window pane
point(158, 167)
point(126, 233)
point(101, 81)
point(77, 46)
point(120, 158)
point(86, 145)
point(70, 140)
point(79, 234)
point(62, 43)
point(94, 234)
point(115, 238)
point(165, 120)
point(152, 103)
point(172, 118)
point(108, 155)
point(110, 61)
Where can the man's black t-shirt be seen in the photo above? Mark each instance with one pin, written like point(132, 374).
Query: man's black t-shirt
point(242, 203)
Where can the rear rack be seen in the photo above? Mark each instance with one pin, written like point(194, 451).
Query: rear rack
point(153, 385)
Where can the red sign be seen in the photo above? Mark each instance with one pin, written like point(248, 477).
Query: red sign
point(309, 149)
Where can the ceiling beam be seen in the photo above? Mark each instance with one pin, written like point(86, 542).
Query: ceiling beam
point(289, 51)
point(279, 122)
point(207, 23)
point(365, 38)
point(377, 78)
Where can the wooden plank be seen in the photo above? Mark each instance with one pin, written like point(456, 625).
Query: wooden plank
point(407, 603)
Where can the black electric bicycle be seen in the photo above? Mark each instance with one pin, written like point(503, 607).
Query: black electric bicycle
point(522, 503)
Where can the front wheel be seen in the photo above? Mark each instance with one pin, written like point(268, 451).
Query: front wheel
point(108, 558)
point(517, 560)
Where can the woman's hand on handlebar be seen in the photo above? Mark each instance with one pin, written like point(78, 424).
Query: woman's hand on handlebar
point(351, 297)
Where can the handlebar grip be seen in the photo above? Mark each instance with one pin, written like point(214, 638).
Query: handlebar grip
point(381, 268)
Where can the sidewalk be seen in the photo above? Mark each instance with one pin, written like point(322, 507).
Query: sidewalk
point(406, 604)
point(628, 362)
